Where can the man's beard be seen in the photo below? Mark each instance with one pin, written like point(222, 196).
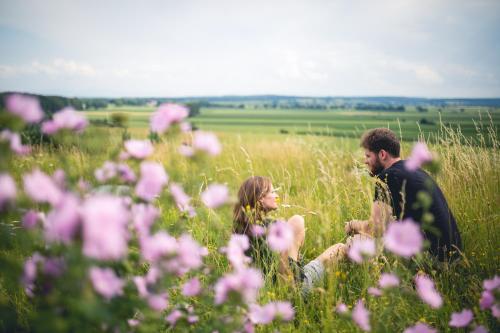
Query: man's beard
point(377, 168)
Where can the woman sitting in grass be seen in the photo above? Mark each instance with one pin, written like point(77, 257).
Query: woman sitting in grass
point(256, 198)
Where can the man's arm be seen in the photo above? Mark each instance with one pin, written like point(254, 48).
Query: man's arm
point(380, 215)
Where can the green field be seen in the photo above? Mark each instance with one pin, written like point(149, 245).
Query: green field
point(338, 122)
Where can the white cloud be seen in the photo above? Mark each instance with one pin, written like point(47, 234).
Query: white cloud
point(57, 67)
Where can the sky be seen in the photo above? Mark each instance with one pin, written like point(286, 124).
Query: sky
point(421, 48)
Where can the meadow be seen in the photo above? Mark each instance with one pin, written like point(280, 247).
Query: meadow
point(314, 158)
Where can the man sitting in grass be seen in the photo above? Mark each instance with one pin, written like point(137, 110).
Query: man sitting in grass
point(401, 193)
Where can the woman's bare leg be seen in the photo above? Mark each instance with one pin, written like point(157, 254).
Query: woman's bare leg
point(299, 234)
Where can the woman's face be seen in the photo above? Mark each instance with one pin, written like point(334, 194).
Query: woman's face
point(268, 201)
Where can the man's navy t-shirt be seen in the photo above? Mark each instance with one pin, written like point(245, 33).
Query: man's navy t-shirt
point(403, 187)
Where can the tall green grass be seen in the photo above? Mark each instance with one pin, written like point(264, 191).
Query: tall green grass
point(323, 179)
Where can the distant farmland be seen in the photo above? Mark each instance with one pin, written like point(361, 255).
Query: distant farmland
point(336, 122)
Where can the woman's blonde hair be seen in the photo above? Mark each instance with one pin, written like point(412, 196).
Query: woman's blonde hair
point(248, 209)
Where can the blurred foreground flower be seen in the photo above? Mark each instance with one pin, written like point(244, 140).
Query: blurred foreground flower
point(215, 195)
point(404, 238)
point(8, 191)
point(106, 282)
point(245, 282)
point(427, 291)
point(67, 118)
point(280, 236)
point(361, 249)
point(388, 280)
point(420, 155)
point(139, 149)
point(15, 143)
point(461, 319)
point(420, 328)
point(153, 178)
point(166, 115)
point(361, 316)
point(207, 142)
point(42, 188)
point(26, 107)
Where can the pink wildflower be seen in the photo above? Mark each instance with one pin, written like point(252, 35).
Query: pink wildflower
point(487, 300)
point(30, 219)
point(173, 317)
point(63, 221)
point(404, 238)
point(361, 316)
point(158, 302)
point(186, 150)
point(182, 199)
point(245, 282)
point(420, 328)
point(190, 253)
point(166, 115)
point(26, 107)
point(257, 230)
point(191, 287)
point(262, 314)
point(341, 308)
point(215, 195)
point(420, 154)
point(105, 233)
point(42, 188)
point(15, 143)
point(492, 284)
point(280, 236)
point(141, 285)
point(427, 291)
point(284, 310)
point(105, 282)
point(8, 191)
point(480, 329)
point(374, 291)
point(139, 149)
point(143, 217)
point(153, 248)
point(461, 319)
point(126, 173)
point(388, 280)
point(360, 249)
point(153, 179)
point(106, 172)
point(67, 118)
point(207, 142)
point(235, 251)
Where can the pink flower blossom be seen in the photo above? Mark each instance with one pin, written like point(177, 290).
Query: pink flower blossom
point(492, 284)
point(245, 282)
point(480, 329)
point(182, 199)
point(141, 285)
point(153, 248)
point(192, 319)
point(361, 316)
point(461, 319)
point(235, 251)
point(26, 107)
point(427, 292)
point(133, 322)
point(207, 142)
point(158, 302)
point(190, 254)
point(42, 188)
point(191, 287)
point(106, 172)
point(186, 150)
point(31, 218)
point(143, 217)
point(404, 238)
point(374, 291)
point(54, 266)
point(262, 314)
point(105, 282)
point(495, 311)
point(105, 233)
point(420, 154)
point(166, 115)
point(153, 179)
point(30, 273)
point(126, 173)
point(420, 328)
point(360, 249)
point(185, 127)
point(15, 142)
point(215, 195)
point(487, 300)
point(284, 310)
point(67, 118)
point(280, 236)
point(341, 308)
point(8, 191)
point(173, 317)
point(139, 149)
point(63, 221)
point(257, 230)
point(388, 280)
